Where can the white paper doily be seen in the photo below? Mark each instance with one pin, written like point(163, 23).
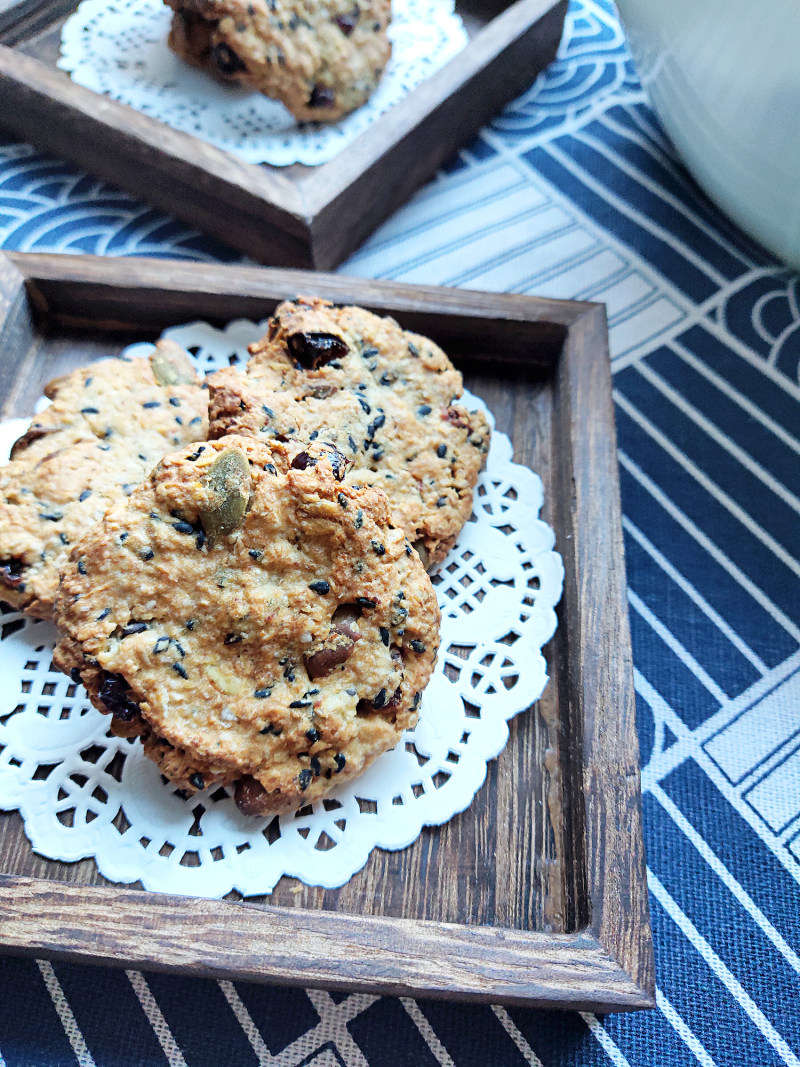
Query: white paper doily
point(83, 792)
point(119, 47)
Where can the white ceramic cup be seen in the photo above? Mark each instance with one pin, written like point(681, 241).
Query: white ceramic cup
point(724, 77)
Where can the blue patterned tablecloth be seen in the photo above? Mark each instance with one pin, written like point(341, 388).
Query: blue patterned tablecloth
point(573, 191)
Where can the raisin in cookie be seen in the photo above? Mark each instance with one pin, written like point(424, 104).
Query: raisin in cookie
point(253, 619)
point(321, 59)
point(108, 425)
point(387, 399)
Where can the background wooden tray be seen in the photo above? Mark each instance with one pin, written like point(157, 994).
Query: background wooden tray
point(536, 894)
point(292, 216)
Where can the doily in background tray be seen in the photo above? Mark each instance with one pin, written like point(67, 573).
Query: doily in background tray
point(83, 792)
point(119, 47)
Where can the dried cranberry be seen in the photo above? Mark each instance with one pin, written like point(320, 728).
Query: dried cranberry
point(320, 664)
point(303, 460)
point(11, 573)
point(228, 63)
point(347, 22)
point(314, 349)
point(115, 695)
point(321, 97)
point(251, 797)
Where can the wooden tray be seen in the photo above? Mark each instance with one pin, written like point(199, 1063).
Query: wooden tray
point(293, 216)
point(534, 895)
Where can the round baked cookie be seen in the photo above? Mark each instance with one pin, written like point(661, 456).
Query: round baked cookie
point(386, 398)
point(253, 619)
point(109, 423)
point(321, 58)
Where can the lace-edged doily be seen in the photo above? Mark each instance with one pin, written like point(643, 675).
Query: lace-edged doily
point(119, 47)
point(83, 792)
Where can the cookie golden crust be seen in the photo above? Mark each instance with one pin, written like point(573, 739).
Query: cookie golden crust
point(254, 619)
point(322, 59)
point(386, 398)
point(108, 425)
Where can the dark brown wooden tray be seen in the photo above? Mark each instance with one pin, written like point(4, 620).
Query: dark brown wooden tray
point(536, 894)
point(294, 216)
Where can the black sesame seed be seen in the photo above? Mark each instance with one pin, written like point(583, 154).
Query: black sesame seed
point(322, 587)
point(63, 538)
point(366, 602)
point(160, 645)
point(351, 442)
point(270, 467)
point(174, 401)
point(415, 701)
point(359, 519)
point(369, 352)
point(123, 537)
point(424, 409)
point(152, 404)
point(441, 502)
point(412, 348)
point(268, 411)
point(85, 495)
point(378, 548)
point(417, 645)
point(256, 553)
point(183, 527)
point(104, 614)
point(195, 455)
point(89, 411)
point(133, 628)
point(340, 761)
point(304, 779)
point(342, 500)
point(269, 728)
point(233, 639)
point(386, 379)
point(408, 549)
point(197, 780)
point(81, 566)
point(146, 553)
point(180, 670)
point(384, 635)
point(179, 420)
point(300, 704)
point(200, 540)
point(312, 735)
point(262, 694)
point(313, 435)
point(379, 699)
point(364, 405)
point(52, 516)
point(190, 624)
point(316, 769)
point(441, 451)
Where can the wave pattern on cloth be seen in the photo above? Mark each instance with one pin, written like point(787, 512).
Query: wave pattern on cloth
point(574, 191)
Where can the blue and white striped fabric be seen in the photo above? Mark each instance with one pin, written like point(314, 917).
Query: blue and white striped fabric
point(573, 191)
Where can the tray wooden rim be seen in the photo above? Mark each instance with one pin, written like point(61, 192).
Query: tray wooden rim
point(257, 209)
point(605, 966)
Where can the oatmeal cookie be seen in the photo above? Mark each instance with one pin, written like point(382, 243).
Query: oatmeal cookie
point(386, 398)
point(254, 619)
point(321, 59)
point(107, 426)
